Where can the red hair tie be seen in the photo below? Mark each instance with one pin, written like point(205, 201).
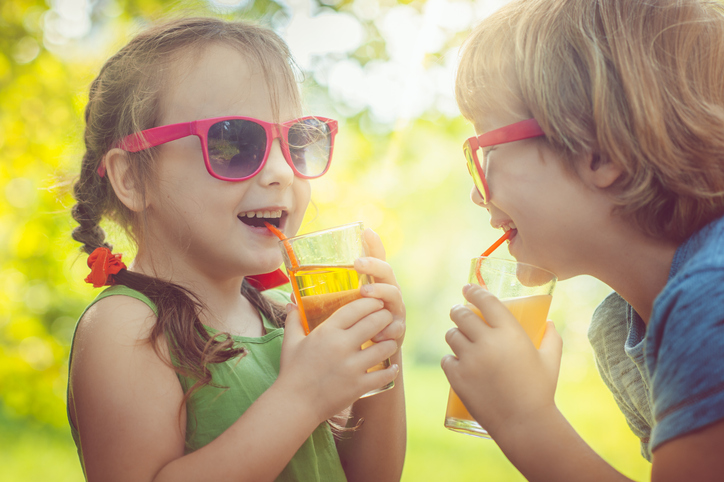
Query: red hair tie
point(103, 265)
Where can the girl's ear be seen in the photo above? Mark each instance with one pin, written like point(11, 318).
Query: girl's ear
point(118, 171)
point(600, 171)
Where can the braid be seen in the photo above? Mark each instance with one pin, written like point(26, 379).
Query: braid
point(87, 211)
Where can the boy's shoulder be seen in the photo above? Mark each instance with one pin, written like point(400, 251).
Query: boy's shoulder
point(701, 252)
point(608, 318)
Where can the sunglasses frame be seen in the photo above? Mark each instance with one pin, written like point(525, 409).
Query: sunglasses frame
point(200, 128)
point(517, 131)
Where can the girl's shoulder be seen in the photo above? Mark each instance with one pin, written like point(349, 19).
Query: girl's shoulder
point(120, 314)
point(115, 369)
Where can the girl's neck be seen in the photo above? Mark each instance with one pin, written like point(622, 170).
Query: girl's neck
point(226, 309)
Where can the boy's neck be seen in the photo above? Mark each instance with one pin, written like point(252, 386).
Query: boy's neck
point(638, 269)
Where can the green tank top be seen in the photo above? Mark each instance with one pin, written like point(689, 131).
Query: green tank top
point(211, 410)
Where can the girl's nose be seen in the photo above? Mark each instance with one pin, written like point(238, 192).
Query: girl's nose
point(276, 171)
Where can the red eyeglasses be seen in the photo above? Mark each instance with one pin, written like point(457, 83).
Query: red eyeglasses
point(236, 148)
point(510, 133)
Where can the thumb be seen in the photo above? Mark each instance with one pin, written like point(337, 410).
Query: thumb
point(551, 349)
point(293, 329)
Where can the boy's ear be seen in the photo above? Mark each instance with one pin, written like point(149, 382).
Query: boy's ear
point(118, 165)
point(600, 171)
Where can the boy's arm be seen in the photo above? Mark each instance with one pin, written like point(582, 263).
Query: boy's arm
point(509, 387)
point(546, 447)
point(695, 456)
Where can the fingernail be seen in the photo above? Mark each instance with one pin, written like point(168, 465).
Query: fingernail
point(396, 367)
point(362, 262)
point(467, 287)
point(289, 308)
point(367, 289)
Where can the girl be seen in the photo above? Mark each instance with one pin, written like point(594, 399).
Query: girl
point(603, 151)
point(178, 372)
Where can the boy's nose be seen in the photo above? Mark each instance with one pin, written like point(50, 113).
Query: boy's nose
point(476, 197)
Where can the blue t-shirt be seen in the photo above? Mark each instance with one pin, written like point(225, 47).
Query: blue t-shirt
point(668, 377)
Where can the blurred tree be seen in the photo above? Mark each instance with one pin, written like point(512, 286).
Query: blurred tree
point(47, 60)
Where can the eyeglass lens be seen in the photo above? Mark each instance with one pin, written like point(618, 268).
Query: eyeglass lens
point(236, 147)
point(473, 169)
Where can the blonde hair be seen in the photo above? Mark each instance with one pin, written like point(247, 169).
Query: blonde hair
point(636, 83)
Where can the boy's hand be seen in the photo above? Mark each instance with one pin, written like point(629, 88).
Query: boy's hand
point(384, 288)
point(496, 371)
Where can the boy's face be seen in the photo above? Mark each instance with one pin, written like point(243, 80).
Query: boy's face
point(556, 216)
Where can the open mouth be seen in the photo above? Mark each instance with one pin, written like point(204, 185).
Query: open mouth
point(257, 219)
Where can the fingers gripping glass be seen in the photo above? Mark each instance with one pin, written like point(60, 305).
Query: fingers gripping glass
point(237, 148)
point(510, 133)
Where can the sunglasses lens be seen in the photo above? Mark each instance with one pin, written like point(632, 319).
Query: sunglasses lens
point(310, 145)
point(474, 172)
point(236, 148)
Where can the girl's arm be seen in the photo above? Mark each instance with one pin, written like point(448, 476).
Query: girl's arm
point(126, 400)
point(376, 451)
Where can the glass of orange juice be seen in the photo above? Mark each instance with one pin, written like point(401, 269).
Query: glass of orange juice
point(527, 291)
point(322, 274)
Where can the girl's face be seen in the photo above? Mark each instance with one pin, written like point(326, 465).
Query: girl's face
point(555, 215)
point(203, 222)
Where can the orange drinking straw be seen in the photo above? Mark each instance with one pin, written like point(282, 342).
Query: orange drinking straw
point(287, 244)
point(292, 278)
point(488, 252)
point(495, 245)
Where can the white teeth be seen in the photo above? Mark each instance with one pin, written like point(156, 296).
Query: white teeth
point(262, 214)
point(508, 227)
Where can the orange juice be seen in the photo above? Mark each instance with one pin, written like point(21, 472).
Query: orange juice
point(322, 290)
point(531, 312)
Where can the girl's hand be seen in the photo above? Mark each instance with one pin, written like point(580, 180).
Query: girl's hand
point(384, 288)
point(496, 371)
point(327, 369)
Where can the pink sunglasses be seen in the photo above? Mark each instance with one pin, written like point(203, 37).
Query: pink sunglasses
point(237, 148)
point(510, 133)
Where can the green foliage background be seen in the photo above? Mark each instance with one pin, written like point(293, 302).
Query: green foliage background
point(408, 182)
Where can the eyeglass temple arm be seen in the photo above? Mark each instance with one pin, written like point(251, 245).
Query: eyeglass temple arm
point(514, 132)
point(151, 138)
point(156, 136)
